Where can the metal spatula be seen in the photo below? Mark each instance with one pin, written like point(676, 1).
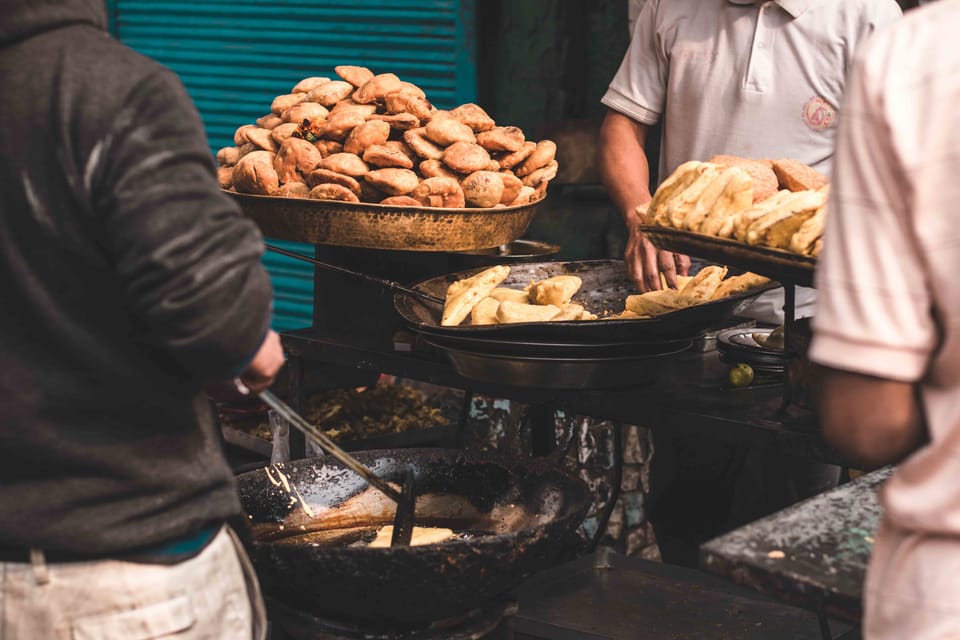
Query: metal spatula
point(406, 500)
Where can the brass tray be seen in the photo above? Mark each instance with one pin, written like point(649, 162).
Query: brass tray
point(378, 226)
point(783, 266)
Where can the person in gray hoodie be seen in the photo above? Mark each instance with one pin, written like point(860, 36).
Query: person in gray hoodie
point(128, 281)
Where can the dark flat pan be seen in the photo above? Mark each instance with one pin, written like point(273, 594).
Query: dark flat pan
point(551, 349)
point(604, 291)
point(519, 519)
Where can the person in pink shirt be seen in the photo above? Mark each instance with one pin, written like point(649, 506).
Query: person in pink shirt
point(887, 329)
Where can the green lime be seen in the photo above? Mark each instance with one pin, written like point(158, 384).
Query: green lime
point(741, 375)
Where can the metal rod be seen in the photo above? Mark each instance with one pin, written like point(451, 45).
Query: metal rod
point(390, 284)
point(330, 447)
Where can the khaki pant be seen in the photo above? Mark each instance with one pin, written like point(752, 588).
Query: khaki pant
point(212, 596)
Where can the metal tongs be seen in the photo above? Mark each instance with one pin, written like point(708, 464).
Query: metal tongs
point(405, 499)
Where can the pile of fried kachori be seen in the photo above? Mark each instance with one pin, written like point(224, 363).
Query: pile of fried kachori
point(377, 139)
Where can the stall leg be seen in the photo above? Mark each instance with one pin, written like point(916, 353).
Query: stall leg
point(298, 442)
point(543, 429)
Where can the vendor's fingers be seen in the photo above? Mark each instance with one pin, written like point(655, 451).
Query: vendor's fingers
point(668, 267)
point(683, 264)
point(651, 267)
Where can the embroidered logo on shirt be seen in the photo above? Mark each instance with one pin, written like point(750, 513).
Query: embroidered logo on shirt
point(819, 114)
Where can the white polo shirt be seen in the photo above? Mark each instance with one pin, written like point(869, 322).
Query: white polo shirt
point(754, 79)
point(890, 300)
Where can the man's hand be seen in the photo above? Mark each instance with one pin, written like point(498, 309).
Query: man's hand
point(265, 364)
point(645, 263)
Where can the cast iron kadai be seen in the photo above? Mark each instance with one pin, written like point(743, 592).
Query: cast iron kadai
point(405, 500)
point(605, 288)
point(515, 518)
point(390, 284)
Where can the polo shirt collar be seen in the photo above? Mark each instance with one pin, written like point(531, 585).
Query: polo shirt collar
point(793, 7)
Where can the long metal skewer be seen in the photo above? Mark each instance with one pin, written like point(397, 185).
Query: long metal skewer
point(291, 416)
point(356, 274)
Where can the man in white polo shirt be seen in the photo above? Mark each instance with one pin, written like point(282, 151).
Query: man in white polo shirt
point(888, 322)
point(754, 79)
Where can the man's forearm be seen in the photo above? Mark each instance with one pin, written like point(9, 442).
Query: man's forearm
point(871, 421)
point(623, 165)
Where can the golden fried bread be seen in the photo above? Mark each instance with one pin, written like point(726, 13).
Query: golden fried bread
point(704, 283)
point(739, 284)
point(308, 84)
point(330, 93)
point(256, 174)
point(377, 87)
point(570, 311)
point(225, 177)
point(400, 201)
point(501, 139)
point(764, 179)
point(349, 105)
point(526, 195)
point(417, 140)
point(294, 190)
point(398, 121)
point(703, 205)
point(328, 147)
point(394, 182)
point(339, 124)
point(403, 148)
point(514, 295)
point(439, 192)
point(228, 156)
point(509, 312)
point(284, 102)
point(809, 232)
point(382, 157)
point(325, 176)
point(556, 290)
point(797, 202)
point(347, 163)
point(446, 131)
point(797, 176)
point(655, 303)
point(676, 182)
point(543, 154)
point(463, 295)
point(736, 196)
point(541, 176)
point(283, 131)
point(434, 168)
point(465, 157)
point(743, 220)
point(679, 205)
point(356, 76)
point(305, 111)
point(482, 189)
point(473, 116)
point(411, 89)
point(511, 187)
point(295, 158)
point(402, 102)
point(509, 160)
point(485, 312)
point(330, 191)
point(365, 135)
point(262, 138)
point(269, 121)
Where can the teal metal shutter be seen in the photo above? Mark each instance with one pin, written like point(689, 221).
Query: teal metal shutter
point(235, 56)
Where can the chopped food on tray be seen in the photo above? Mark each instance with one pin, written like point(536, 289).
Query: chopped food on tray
point(772, 203)
point(375, 138)
point(480, 297)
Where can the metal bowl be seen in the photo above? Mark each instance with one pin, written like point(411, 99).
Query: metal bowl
point(378, 226)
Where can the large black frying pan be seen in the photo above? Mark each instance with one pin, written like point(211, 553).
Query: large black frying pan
point(517, 520)
point(604, 291)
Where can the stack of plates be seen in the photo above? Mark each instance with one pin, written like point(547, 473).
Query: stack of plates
point(738, 345)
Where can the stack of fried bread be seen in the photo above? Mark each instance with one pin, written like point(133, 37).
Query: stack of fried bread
point(772, 203)
point(375, 138)
point(481, 298)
